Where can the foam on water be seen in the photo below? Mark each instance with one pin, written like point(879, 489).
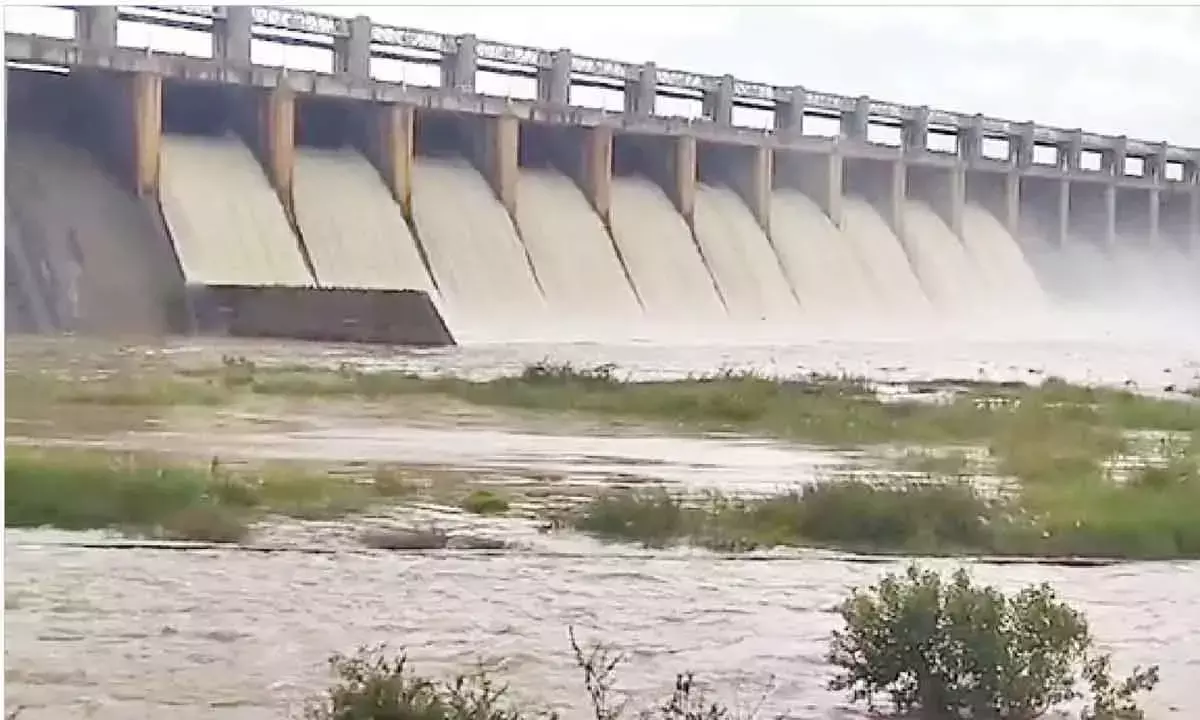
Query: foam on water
point(354, 230)
point(1001, 261)
point(488, 288)
point(883, 259)
point(951, 280)
point(742, 260)
point(584, 283)
point(668, 272)
point(820, 263)
point(224, 217)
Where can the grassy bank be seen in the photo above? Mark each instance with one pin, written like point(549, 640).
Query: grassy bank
point(1147, 518)
point(145, 496)
point(1054, 432)
point(1056, 426)
point(1058, 440)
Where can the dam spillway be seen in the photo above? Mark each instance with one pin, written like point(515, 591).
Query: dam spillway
point(543, 220)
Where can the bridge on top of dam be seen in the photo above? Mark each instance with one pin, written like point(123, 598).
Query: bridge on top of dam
point(1060, 186)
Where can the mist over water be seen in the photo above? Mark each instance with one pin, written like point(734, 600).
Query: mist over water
point(668, 272)
point(580, 273)
point(477, 258)
point(743, 261)
point(354, 230)
point(225, 218)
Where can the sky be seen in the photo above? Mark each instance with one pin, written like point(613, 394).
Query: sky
point(1105, 69)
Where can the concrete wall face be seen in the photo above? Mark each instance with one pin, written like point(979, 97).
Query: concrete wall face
point(406, 317)
point(88, 254)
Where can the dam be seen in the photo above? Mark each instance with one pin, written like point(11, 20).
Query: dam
point(213, 194)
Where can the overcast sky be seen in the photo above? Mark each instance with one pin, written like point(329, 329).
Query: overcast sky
point(1105, 69)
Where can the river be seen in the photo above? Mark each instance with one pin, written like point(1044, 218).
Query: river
point(120, 633)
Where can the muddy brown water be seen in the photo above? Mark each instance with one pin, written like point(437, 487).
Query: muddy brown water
point(120, 633)
point(206, 634)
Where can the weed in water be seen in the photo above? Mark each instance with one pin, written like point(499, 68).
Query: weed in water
point(1089, 519)
point(485, 502)
point(849, 514)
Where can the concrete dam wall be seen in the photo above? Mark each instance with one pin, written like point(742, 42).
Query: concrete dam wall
point(213, 250)
point(542, 221)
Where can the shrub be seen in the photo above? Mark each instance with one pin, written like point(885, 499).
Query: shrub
point(940, 649)
point(371, 685)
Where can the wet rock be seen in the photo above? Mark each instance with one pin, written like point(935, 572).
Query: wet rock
point(405, 539)
point(474, 542)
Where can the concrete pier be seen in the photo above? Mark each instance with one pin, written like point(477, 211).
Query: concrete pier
point(500, 159)
point(147, 114)
point(683, 169)
point(596, 168)
point(279, 136)
point(396, 138)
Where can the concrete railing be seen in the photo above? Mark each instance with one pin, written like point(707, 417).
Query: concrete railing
point(355, 41)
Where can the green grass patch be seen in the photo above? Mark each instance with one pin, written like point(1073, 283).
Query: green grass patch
point(145, 496)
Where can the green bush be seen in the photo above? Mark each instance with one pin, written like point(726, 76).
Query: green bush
point(938, 649)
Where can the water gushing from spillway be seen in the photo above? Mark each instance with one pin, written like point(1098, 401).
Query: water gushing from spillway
point(353, 228)
point(819, 261)
point(478, 262)
point(664, 263)
point(224, 217)
point(743, 262)
point(884, 261)
point(1013, 285)
point(584, 283)
point(951, 279)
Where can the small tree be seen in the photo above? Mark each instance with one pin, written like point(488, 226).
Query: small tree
point(939, 650)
